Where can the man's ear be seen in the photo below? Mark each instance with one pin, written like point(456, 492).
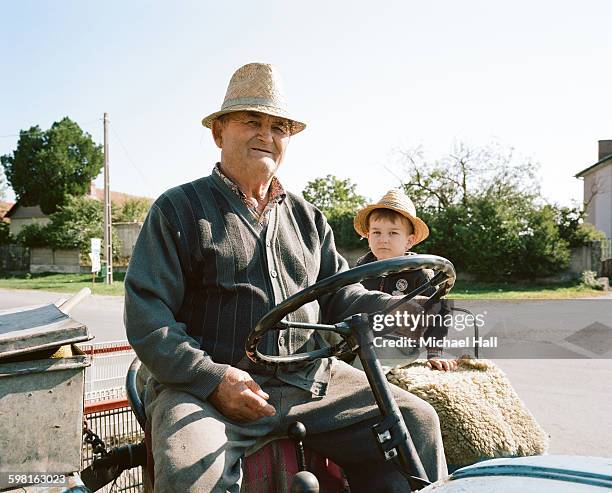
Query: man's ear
point(217, 129)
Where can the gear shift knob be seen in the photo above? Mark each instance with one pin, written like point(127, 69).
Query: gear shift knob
point(297, 431)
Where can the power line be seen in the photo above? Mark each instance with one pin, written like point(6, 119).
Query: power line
point(127, 154)
point(26, 132)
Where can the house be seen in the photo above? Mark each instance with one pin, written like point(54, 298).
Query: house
point(21, 216)
point(597, 193)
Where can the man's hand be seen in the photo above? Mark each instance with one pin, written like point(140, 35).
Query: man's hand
point(442, 364)
point(240, 398)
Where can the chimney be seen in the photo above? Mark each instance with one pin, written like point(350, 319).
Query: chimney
point(605, 148)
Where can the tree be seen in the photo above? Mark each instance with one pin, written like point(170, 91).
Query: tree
point(49, 165)
point(338, 200)
point(485, 213)
point(330, 194)
point(2, 185)
point(5, 235)
point(573, 229)
point(466, 172)
point(72, 226)
point(132, 210)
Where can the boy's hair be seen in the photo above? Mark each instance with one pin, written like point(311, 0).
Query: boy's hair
point(390, 215)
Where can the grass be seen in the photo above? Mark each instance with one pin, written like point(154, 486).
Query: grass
point(64, 283)
point(465, 290)
point(71, 283)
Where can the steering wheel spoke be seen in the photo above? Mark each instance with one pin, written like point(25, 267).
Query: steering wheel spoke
point(275, 318)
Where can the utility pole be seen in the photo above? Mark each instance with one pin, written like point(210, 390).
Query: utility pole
point(108, 237)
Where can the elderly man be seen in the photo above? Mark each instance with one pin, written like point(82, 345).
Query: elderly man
point(213, 257)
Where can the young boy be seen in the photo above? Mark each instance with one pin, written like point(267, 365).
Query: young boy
point(392, 229)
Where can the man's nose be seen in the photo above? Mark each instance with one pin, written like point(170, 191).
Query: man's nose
point(265, 133)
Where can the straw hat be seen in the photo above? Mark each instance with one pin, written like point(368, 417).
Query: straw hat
point(255, 87)
point(397, 201)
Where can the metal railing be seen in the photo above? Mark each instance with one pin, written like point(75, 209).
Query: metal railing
point(105, 378)
point(107, 411)
point(14, 259)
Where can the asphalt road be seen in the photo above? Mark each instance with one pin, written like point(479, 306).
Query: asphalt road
point(570, 398)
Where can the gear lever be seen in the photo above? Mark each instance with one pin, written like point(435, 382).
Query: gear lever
point(304, 481)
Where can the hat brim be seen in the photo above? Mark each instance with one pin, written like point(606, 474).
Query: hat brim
point(421, 230)
point(296, 126)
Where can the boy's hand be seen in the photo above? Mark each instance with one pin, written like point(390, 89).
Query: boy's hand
point(442, 364)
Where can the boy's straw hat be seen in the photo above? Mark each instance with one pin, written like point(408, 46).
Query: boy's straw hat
point(256, 87)
point(397, 201)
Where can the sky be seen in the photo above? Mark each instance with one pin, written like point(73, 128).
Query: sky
point(368, 78)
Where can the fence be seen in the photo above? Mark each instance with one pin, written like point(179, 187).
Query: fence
point(106, 408)
point(605, 246)
point(14, 258)
point(602, 257)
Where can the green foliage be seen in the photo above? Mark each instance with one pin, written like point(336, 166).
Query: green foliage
point(3, 187)
point(5, 236)
point(339, 201)
point(132, 210)
point(33, 235)
point(49, 165)
point(484, 214)
point(467, 172)
point(497, 239)
point(574, 230)
point(330, 194)
point(75, 222)
point(73, 225)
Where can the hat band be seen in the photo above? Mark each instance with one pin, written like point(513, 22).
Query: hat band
point(250, 101)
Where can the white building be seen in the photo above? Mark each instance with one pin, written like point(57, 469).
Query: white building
point(597, 194)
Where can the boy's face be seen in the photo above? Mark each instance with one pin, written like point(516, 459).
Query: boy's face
point(387, 238)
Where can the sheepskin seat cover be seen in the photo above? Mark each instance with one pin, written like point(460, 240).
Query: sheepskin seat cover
point(481, 416)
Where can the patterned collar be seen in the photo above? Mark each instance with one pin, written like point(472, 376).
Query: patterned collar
point(276, 195)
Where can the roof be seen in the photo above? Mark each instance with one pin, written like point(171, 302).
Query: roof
point(24, 211)
point(602, 162)
point(4, 208)
point(117, 198)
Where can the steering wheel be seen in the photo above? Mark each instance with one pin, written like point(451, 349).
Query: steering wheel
point(444, 279)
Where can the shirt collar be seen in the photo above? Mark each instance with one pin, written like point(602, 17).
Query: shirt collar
point(276, 193)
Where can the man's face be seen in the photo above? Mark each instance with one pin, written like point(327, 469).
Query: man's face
point(251, 142)
point(387, 238)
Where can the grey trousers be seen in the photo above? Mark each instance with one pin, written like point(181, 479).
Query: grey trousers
point(197, 449)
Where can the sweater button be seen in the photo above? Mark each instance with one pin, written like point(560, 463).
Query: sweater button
point(273, 273)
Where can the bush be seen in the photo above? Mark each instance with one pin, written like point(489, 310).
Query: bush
point(573, 229)
point(5, 235)
point(345, 236)
point(589, 280)
point(72, 226)
point(494, 238)
point(132, 210)
point(33, 235)
point(339, 201)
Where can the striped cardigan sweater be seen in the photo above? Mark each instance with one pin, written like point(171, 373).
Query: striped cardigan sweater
point(204, 271)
